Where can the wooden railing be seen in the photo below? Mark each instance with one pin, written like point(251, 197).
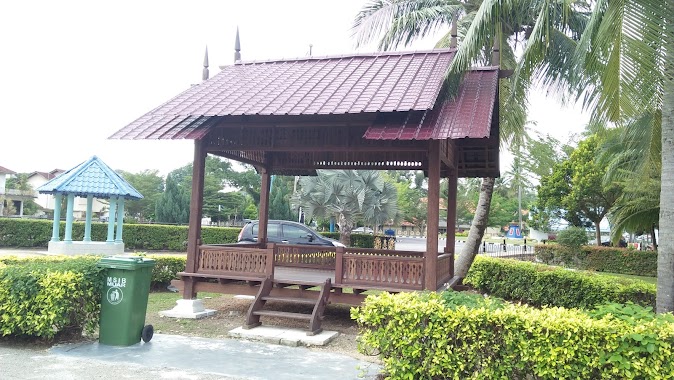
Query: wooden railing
point(444, 269)
point(304, 256)
point(236, 260)
point(371, 268)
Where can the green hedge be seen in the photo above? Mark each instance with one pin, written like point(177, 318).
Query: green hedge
point(45, 297)
point(539, 285)
point(418, 336)
point(357, 240)
point(601, 259)
point(37, 233)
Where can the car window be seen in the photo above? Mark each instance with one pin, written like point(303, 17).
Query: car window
point(272, 229)
point(294, 232)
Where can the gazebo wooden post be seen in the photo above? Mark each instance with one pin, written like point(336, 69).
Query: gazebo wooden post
point(431, 254)
point(263, 210)
point(451, 216)
point(196, 203)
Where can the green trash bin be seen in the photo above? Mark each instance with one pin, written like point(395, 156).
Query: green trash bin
point(124, 300)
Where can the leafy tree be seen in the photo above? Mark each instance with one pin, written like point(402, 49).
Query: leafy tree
point(575, 190)
point(348, 195)
point(173, 206)
point(626, 69)
point(411, 208)
point(572, 237)
point(250, 212)
point(279, 204)
point(151, 185)
point(20, 182)
point(548, 29)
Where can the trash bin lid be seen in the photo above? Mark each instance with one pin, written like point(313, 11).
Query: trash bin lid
point(125, 262)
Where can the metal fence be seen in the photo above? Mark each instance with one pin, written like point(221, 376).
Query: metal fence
point(508, 251)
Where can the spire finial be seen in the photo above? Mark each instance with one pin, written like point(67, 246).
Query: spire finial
point(205, 73)
point(452, 41)
point(237, 47)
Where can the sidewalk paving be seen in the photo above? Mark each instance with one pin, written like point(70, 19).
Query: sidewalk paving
point(180, 357)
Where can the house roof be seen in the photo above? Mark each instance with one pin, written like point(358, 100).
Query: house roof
point(468, 115)
point(4, 170)
point(92, 177)
point(48, 175)
point(350, 84)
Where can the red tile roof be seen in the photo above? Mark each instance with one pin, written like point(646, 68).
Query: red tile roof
point(366, 83)
point(4, 170)
point(468, 115)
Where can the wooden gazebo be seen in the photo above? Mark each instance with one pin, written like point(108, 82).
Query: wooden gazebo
point(291, 117)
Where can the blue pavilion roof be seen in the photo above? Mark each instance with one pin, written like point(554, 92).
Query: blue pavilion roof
point(92, 177)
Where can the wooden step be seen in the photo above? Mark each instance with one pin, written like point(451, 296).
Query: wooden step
point(302, 301)
point(282, 314)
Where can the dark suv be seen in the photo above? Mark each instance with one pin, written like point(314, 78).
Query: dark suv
point(285, 232)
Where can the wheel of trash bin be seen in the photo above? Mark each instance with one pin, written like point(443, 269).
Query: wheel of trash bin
point(148, 332)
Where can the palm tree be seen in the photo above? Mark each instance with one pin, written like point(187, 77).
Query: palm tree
point(547, 29)
point(627, 53)
point(347, 195)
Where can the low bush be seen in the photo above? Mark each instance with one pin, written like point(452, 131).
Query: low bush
point(573, 237)
point(43, 298)
point(418, 336)
point(165, 269)
point(601, 259)
point(37, 233)
point(357, 240)
point(540, 285)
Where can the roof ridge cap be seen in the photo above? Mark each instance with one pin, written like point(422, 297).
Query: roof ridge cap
point(342, 56)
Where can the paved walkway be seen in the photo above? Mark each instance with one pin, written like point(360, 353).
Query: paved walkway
point(180, 357)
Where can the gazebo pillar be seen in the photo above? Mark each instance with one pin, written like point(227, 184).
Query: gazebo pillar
point(68, 238)
point(431, 254)
point(196, 203)
point(112, 212)
point(87, 223)
point(57, 217)
point(120, 219)
point(263, 210)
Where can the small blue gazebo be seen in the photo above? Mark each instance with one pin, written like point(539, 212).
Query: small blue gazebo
point(92, 178)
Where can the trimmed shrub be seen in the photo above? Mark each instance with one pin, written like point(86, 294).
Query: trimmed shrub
point(418, 337)
point(165, 269)
point(357, 240)
point(43, 298)
point(37, 233)
point(601, 259)
point(541, 285)
point(572, 237)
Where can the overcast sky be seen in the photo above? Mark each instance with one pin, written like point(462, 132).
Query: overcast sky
point(74, 72)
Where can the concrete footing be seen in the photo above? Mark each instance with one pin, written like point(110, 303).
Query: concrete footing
point(85, 248)
point(192, 309)
point(284, 336)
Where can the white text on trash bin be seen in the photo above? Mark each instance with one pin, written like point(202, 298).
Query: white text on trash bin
point(118, 282)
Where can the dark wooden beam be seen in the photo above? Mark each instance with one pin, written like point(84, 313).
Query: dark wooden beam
point(431, 255)
point(264, 206)
point(196, 203)
point(452, 182)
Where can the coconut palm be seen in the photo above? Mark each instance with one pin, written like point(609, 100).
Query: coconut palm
point(627, 53)
point(348, 196)
point(547, 31)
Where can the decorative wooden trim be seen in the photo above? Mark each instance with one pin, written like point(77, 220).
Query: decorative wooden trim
point(444, 269)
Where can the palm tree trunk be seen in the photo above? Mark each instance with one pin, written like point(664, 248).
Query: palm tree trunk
point(345, 228)
point(665, 283)
point(477, 228)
